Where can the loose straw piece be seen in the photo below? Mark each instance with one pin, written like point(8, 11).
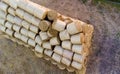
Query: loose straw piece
point(70, 69)
point(62, 67)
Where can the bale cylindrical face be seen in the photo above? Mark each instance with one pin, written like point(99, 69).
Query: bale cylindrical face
point(52, 15)
point(24, 38)
point(9, 25)
point(40, 12)
point(16, 28)
point(2, 21)
point(44, 36)
point(66, 61)
point(54, 41)
point(68, 54)
point(76, 65)
point(3, 6)
point(35, 21)
point(3, 14)
point(64, 35)
point(31, 35)
point(13, 3)
point(24, 31)
point(19, 12)
point(59, 25)
point(9, 32)
point(22, 4)
point(59, 50)
point(52, 32)
point(17, 35)
point(27, 17)
point(48, 52)
point(25, 24)
point(38, 40)
point(44, 25)
point(31, 42)
point(56, 57)
point(57, 38)
point(47, 45)
point(34, 29)
point(3, 28)
point(11, 11)
point(67, 44)
point(39, 49)
point(10, 18)
point(77, 38)
point(17, 21)
point(78, 49)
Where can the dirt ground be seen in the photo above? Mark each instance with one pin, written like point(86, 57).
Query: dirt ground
point(105, 59)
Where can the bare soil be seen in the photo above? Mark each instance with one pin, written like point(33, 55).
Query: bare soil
point(105, 56)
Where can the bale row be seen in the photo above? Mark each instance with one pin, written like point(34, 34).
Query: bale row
point(62, 40)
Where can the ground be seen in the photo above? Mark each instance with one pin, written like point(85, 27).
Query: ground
point(105, 56)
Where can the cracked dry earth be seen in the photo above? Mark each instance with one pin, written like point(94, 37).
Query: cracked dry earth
point(105, 57)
